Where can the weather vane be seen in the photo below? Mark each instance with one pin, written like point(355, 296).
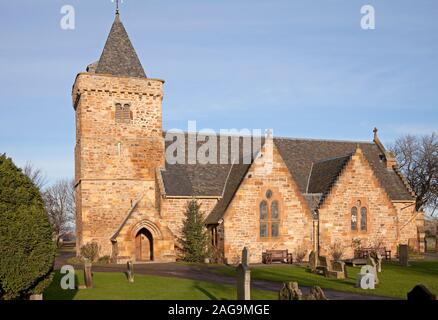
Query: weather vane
point(117, 4)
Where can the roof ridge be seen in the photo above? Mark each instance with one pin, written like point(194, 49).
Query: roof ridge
point(275, 137)
point(322, 140)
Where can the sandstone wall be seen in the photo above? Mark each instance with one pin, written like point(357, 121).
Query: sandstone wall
point(407, 221)
point(357, 182)
point(241, 226)
point(115, 162)
point(173, 211)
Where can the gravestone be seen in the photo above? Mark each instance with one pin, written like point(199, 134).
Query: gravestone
point(313, 261)
point(36, 297)
point(244, 278)
point(290, 291)
point(88, 275)
point(130, 271)
point(316, 293)
point(371, 262)
point(403, 255)
point(340, 269)
point(421, 293)
point(245, 257)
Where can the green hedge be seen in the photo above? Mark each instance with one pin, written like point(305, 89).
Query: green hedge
point(27, 251)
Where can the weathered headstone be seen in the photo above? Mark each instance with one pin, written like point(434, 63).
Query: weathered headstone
point(130, 271)
point(403, 255)
point(244, 277)
point(421, 293)
point(313, 261)
point(316, 293)
point(290, 291)
point(340, 269)
point(371, 262)
point(243, 282)
point(245, 257)
point(88, 275)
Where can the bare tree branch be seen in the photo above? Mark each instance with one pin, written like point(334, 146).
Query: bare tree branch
point(418, 160)
point(35, 174)
point(59, 200)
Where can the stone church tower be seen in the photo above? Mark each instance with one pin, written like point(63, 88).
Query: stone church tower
point(119, 150)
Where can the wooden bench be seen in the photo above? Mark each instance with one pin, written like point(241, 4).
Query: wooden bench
point(282, 256)
point(363, 253)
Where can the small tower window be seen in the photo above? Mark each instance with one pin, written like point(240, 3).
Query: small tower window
point(123, 113)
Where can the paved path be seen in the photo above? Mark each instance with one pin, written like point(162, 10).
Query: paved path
point(198, 272)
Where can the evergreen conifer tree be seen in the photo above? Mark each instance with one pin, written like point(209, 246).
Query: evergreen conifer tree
point(194, 238)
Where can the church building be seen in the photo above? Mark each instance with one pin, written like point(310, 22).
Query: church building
point(294, 194)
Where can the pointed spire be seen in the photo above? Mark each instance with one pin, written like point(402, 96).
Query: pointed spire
point(119, 57)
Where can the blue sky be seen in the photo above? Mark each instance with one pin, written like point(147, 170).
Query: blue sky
point(304, 68)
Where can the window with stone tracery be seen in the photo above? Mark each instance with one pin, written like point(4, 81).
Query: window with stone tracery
point(359, 217)
point(269, 217)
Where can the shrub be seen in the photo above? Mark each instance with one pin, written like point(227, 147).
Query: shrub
point(27, 251)
point(194, 238)
point(300, 253)
point(90, 251)
point(336, 251)
point(356, 244)
point(104, 260)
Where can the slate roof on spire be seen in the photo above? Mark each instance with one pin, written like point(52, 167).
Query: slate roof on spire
point(119, 57)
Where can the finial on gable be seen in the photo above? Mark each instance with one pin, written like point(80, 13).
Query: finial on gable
point(375, 134)
point(388, 156)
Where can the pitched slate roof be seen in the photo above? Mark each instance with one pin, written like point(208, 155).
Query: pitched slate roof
point(324, 173)
point(119, 57)
point(207, 180)
point(237, 173)
point(300, 154)
point(314, 165)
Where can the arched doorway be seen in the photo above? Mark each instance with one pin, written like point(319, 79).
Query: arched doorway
point(144, 245)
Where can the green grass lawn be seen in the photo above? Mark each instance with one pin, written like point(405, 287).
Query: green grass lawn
point(114, 286)
point(395, 281)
